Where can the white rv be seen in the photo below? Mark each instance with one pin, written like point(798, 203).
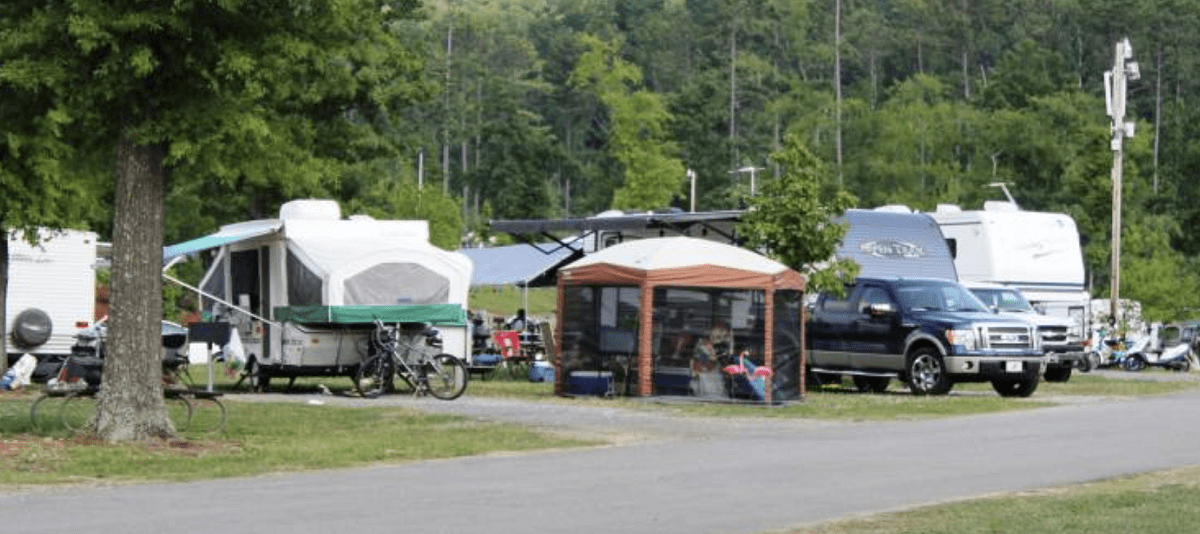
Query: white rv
point(51, 291)
point(1035, 252)
point(303, 290)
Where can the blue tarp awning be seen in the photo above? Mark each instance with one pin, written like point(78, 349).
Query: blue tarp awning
point(228, 234)
point(514, 264)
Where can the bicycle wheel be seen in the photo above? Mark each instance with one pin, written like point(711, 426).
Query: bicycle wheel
point(208, 414)
point(179, 410)
point(76, 411)
point(43, 414)
point(374, 375)
point(446, 376)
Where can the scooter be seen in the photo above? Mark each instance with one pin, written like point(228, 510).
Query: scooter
point(1176, 358)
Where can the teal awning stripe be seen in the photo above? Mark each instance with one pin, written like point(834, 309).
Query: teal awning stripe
point(215, 240)
point(436, 314)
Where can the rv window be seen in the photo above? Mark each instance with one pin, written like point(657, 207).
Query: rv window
point(952, 244)
point(835, 305)
point(304, 287)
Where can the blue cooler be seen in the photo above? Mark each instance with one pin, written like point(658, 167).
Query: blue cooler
point(590, 383)
point(487, 359)
point(541, 372)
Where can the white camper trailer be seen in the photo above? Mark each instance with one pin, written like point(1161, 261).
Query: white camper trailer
point(1035, 252)
point(51, 291)
point(303, 290)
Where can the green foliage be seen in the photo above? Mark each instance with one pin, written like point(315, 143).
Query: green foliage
point(402, 199)
point(636, 128)
point(792, 219)
point(1153, 273)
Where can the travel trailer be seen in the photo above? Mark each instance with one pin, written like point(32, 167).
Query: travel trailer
point(892, 241)
point(303, 290)
point(51, 291)
point(1035, 252)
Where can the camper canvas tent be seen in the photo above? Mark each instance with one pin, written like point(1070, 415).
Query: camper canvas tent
point(671, 316)
point(303, 289)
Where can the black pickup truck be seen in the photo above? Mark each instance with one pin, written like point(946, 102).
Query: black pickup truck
point(928, 333)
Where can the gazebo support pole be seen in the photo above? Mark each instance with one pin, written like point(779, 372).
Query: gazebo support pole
point(769, 343)
point(803, 349)
point(559, 379)
point(645, 357)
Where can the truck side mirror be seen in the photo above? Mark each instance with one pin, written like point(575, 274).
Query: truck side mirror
point(880, 309)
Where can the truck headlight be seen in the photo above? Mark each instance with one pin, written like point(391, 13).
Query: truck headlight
point(966, 338)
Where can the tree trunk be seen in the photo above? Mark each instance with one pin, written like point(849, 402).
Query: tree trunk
point(1158, 76)
point(3, 298)
point(733, 163)
point(837, 86)
point(131, 408)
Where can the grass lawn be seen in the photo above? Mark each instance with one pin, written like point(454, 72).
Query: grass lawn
point(1164, 502)
point(260, 438)
point(290, 436)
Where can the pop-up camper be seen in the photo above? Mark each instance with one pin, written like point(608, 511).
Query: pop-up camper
point(303, 290)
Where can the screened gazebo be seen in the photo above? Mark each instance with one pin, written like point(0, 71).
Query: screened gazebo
point(680, 316)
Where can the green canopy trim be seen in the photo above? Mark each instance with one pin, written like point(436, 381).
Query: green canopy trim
point(437, 314)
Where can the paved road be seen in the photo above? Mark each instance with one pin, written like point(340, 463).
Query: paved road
point(667, 475)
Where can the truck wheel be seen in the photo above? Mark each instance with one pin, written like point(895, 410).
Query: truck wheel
point(1134, 363)
point(1015, 387)
point(1058, 374)
point(927, 373)
point(1086, 364)
point(259, 380)
point(873, 384)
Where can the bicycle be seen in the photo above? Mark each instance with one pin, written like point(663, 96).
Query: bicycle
point(391, 353)
point(72, 409)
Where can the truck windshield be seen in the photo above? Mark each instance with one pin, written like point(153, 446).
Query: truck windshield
point(1005, 300)
point(937, 296)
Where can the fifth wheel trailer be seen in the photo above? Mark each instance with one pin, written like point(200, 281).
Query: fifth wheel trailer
point(1036, 252)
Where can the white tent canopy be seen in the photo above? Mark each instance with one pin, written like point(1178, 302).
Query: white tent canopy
point(369, 262)
point(679, 252)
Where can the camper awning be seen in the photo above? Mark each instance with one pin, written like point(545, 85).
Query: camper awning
point(228, 234)
point(515, 264)
point(435, 314)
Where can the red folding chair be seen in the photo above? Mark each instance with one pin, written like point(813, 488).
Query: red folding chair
point(509, 344)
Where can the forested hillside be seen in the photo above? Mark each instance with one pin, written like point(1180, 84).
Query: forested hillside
point(549, 108)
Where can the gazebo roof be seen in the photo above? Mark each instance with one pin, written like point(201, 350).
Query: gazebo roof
point(681, 261)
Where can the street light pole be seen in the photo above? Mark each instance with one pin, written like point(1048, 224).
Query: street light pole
point(692, 176)
point(1114, 92)
point(753, 174)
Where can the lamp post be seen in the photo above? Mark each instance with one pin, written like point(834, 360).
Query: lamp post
point(692, 176)
point(753, 174)
point(1114, 99)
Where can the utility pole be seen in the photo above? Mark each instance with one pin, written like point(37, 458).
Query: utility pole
point(1114, 99)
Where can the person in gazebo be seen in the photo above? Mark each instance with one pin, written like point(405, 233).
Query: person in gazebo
point(706, 363)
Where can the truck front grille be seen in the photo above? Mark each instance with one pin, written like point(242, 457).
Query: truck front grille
point(1053, 335)
point(1007, 337)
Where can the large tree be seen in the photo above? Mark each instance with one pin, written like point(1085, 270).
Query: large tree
point(792, 219)
point(249, 95)
point(634, 122)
